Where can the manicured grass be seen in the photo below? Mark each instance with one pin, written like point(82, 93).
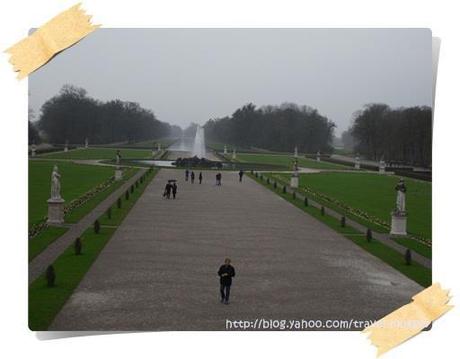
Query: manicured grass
point(416, 246)
point(415, 271)
point(287, 161)
point(96, 153)
point(43, 239)
point(118, 214)
point(375, 194)
point(164, 142)
point(76, 179)
point(45, 303)
point(79, 212)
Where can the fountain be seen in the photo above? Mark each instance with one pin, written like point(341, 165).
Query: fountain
point(199, 147)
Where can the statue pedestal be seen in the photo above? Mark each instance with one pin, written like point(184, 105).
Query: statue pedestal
point(357, 166)
point(294, 182)
point(382, 170)
point(66, 149)
point(55, 211)
point(398, 224)
point(118, 174)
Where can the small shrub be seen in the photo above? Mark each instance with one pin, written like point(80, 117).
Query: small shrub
point(132, 188)
point(78, 246)
point(408, 257)
point(261, 177)
point(342, 221)
point(284, 189)
point(97, 226)
point(275, 185)
point(50, 276)
point(257, 175)
point(119, 202)
point(252, 172)
point(305, 202)
point(109, 212)
point(137, 184)
point(127, 195)
point(268, 180)
point(323, 211)
point(293, 195)
point(369, 235)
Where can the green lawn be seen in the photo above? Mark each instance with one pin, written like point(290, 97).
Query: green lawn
point(95, 153)
point(375, 194)
point(45, 303)
point(79, 212)
point(76, 179)
point(415, 271)
point(43, 239)
point(286, 160)
point(152, 144)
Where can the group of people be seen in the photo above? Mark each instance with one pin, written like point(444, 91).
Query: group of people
point(171, 187)
point(192, 176)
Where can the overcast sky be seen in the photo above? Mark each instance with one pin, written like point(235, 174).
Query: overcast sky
point(192, 75)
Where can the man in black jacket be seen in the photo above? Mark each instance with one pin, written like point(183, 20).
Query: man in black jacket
point(226, 273)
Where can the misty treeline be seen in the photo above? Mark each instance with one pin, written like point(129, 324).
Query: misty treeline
point(276, 128)
point(401, 134)
point(73, 116)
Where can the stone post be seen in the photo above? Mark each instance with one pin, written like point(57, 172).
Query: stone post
point(357, 162)
point(382, 167)
point(33, 150)
point(55, 211)
point(398, 223)
point(318, 156)
point(234, 155)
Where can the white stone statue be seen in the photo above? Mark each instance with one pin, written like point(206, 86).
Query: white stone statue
point(382, 166)
point(118, 157)
point(318, 156)
point(357, 162)
point(86, 142)
point(401, 197)
point(234, 154)
point(225, 149)
point(55, 183)
point(296, 153)
point(159, 146)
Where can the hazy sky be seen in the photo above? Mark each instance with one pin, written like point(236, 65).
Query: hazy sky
point(192, 75)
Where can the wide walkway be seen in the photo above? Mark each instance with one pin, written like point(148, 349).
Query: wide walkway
point(158, 272)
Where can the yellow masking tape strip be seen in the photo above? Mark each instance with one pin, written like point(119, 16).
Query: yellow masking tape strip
point(410, 319)
point(59, 33)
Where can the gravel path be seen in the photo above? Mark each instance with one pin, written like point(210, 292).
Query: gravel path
point(158, 272)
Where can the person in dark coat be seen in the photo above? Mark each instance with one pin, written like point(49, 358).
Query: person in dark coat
point(241, 175)
point(192, 177)
point(186, 174)
point(200, 177)
point(226, 273)
point(167, 192)
point(174, 190)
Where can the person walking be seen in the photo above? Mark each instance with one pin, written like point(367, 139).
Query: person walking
point(200, 177)
point(219, 179)
point(174, 190)
point(226, 273)
point(241, 175)
point(167, 192)
point(192, 177)
point(186, 174)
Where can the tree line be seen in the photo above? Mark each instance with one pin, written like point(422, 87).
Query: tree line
point(402, 134)
point(73, 116)
point(276, 128)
